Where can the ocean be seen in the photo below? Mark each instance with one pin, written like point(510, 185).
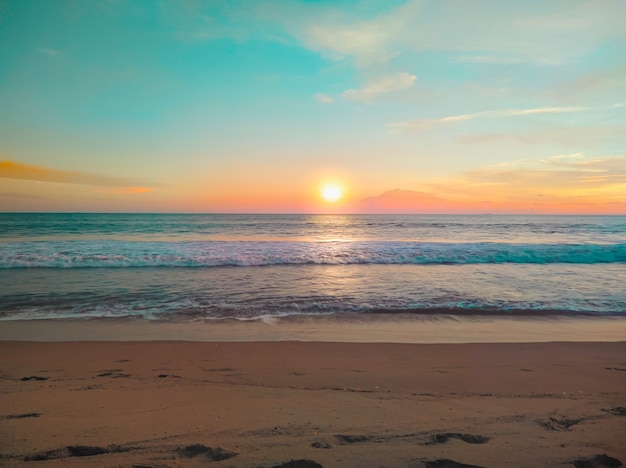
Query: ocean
point(186, 267)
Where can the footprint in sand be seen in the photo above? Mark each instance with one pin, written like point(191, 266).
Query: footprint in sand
point(446, 463)
point(467, 438)
point(599, 461)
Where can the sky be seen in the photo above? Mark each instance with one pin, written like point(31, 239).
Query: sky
point(416, 106)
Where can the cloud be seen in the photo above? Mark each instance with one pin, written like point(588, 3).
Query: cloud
point(507, 34)
point(608, 171)
point(373, 33)
point(424, 124)
point(405, 201)
point(480, 32)
point(570, 136)
point(570, 183)
point(561, 157)
point(382, 85)
point(16, 170)
point(367, 41)
point(557, 172)
point(561, 182)
point(323, 98)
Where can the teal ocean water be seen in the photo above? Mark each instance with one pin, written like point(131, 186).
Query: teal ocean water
point(190, 267)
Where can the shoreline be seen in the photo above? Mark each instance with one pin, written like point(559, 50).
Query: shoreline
point(353, 328)
point(264, 404)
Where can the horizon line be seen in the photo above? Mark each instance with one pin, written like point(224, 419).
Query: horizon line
point(309, 214)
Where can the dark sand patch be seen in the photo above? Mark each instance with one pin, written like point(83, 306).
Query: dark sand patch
point(421, 438)
point(113, 373)
point(88, 387)
point(204, 452)
point(33, 377)
point(20, 416)
point(442, 438)
point(73, 451)
point(559, 424)
point(351, 389)
point(351, 439)
point(150, 466)
point(321, 444)
point(304, 463)
point(446, 463)
point(617, 411)
point(599, 461)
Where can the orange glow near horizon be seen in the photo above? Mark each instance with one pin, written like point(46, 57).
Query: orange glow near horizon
point(325, 191)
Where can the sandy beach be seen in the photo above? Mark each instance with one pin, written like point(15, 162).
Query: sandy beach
point(305, 234)
point(306, 404)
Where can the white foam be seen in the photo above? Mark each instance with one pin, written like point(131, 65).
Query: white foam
point(117, 254)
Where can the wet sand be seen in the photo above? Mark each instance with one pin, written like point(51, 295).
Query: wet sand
point(263, 404)
point(348, 328)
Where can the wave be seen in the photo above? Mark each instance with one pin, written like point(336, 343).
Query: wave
point(118, 254)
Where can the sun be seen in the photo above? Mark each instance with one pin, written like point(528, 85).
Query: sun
point(332, 192)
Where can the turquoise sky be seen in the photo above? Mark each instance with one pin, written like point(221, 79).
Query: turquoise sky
point(248, 106)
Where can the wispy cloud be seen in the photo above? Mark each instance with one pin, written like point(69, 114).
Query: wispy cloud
point(508, 34)
point(381, 85)
point(481, 32)
point(557, 172)
point(562, 157)
point(406, 201)
point(367, 41)
point(424, 124)
point(323, 98)
point(569, 136)
point(561, 183)
point(17, 170)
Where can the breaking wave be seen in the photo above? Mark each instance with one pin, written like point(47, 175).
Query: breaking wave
point(118, 254)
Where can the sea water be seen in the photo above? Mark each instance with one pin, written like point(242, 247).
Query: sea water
point(181, 267)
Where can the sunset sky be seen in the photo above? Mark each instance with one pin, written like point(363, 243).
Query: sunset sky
point(425, 106)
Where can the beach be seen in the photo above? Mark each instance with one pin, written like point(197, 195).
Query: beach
point(267, 403)
point(304, 234)
point(148, 340)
